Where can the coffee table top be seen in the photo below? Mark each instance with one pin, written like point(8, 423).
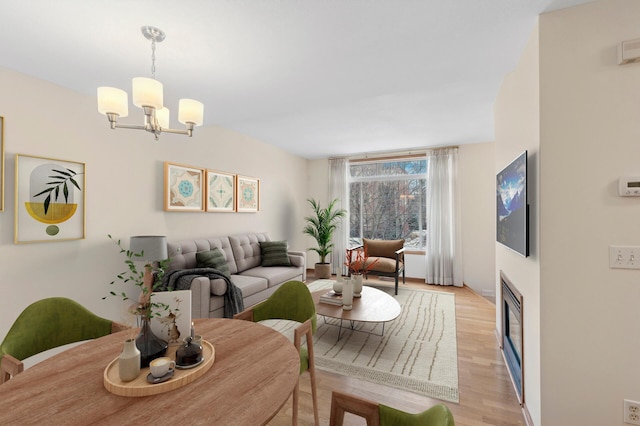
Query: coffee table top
point(373, 306)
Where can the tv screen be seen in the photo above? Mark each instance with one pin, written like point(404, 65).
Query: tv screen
point(512, 209)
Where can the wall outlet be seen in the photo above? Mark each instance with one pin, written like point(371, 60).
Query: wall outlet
point(631, 412)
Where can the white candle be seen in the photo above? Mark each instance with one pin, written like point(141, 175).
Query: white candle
point(193, 331)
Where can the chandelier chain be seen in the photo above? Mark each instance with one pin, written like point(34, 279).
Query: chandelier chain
point(153, 58)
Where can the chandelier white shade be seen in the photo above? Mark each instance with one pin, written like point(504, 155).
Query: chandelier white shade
point(147, 93)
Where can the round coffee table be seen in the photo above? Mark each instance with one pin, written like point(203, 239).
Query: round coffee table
point(373, 306)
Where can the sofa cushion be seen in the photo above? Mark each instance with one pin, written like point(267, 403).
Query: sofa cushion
point(274, 274)
point(382, 248)
point(246, 250)
point(382, 264)
point(249, 285)
point(213, 258)
point(274, 253)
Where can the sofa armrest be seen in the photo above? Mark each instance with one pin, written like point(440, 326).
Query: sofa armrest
point(299, 258)
point(200, 297)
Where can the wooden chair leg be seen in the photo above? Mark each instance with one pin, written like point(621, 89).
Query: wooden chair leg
point(341, 403)
point(296, 395)
point(312, 373)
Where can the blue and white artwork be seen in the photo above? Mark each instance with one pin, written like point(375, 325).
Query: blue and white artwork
point(511, 208)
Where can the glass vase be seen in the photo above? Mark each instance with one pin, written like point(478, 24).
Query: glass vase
point(149, 345)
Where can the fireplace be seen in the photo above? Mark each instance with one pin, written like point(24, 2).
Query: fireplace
point(512, 336)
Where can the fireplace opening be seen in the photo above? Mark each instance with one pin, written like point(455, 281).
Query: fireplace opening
point(512, 336)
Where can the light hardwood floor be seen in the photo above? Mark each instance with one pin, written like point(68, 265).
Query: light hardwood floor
point(487, 396)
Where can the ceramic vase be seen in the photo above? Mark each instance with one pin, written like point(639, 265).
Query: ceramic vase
point(149, 345)
point(347, 295)
point(129, 361)
point(337, 287)
point(357, 285)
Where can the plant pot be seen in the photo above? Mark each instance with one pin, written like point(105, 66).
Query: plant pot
point(323, 270)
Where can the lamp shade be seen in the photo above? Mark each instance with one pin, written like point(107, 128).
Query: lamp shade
point(147, 92)
point(152, 247)
point(190, 111)
point(162, 115)
point(113, 101)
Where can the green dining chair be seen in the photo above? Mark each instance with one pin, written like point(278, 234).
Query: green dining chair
point(291, 308)
point(381, 415)
point(47, 324)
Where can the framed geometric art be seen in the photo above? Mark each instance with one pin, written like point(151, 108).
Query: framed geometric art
point(221, 192)
point(247, 194)
point(183, 188)
point(49, 200)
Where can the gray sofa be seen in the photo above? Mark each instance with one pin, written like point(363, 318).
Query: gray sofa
point(243, 256)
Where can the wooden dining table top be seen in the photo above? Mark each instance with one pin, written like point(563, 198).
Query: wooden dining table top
point(254, 373)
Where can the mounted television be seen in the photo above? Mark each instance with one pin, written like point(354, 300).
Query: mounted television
point(512, 212)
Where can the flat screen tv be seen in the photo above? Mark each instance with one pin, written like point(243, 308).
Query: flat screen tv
point(512, 212)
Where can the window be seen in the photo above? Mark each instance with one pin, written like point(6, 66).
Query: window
point(387, 200)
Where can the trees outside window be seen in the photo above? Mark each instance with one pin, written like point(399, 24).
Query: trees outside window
point(387, 200)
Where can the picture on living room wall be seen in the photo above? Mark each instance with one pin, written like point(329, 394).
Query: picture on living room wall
point(172, 324)
point(221, 192)
point(50, 200)
point(183, 188)
point(248, 194)
point(1, 163)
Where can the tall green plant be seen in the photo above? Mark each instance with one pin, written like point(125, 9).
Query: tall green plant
point(322, 225)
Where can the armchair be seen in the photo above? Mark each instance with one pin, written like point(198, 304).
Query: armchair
point(388, 256)
point(381, 415)
point(47, 324)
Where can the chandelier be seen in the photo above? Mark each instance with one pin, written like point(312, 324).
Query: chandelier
point(147, 94)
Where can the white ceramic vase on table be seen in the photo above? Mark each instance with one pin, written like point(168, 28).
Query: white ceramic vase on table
point(347, 295)
point(129, 361)
point(357, 284)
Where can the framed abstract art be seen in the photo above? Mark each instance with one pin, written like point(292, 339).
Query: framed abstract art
point(247, 194)
point(221, 192)
point(49, 200)
point(183, 188)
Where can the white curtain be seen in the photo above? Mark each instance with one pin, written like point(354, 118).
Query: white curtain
point(444, 249)
point(339, 189)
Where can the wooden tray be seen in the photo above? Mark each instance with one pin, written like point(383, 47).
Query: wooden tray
point(140, 387)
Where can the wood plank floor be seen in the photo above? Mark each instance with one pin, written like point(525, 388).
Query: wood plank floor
point(487, 396)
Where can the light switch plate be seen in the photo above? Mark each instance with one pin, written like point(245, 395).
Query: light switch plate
point(624, 257)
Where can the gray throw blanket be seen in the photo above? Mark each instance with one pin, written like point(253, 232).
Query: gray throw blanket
point(181, 280)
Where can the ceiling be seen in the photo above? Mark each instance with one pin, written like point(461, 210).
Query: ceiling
point(317, 78)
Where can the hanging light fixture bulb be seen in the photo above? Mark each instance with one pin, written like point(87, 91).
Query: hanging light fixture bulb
point(147, 93)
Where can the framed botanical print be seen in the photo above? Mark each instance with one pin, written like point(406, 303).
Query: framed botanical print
point(173, 323)
point(221, 192)
point(49, 200)
point(247, 194)
point(183, 188)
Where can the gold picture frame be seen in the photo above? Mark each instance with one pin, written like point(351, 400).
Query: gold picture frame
point(247, 194)
point(183, 188)
point(221, 191)
point(50, 199)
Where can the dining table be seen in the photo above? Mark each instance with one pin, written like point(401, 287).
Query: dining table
point(254, 372)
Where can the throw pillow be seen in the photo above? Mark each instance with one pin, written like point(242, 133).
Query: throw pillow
point(274, 253)
point(212, 259)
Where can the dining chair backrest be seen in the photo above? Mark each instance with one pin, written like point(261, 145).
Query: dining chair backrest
point(291, 301)
point(49, 323)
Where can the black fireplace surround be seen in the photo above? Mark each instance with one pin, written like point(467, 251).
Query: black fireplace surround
point(512, 336)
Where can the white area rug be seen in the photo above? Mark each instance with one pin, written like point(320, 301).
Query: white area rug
point(418, 351)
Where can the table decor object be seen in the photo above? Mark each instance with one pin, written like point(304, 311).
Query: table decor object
point(189, 354)
point(347, 295)
point(358, 264)
point(337, 287)
point(141, 387)
point(129, 361)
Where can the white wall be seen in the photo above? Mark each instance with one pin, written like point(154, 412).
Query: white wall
point(517, 120)
point(577, 112)
point(590, 135)
point(476, 171)
point(124, 192)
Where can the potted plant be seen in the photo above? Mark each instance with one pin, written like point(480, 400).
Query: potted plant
point(321, 227)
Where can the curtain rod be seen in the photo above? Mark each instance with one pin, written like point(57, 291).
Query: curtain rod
point(392, 154)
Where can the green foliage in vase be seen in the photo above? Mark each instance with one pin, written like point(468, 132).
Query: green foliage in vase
point(135, 276)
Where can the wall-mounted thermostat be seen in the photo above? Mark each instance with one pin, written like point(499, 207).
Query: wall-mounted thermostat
point(629, 186)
